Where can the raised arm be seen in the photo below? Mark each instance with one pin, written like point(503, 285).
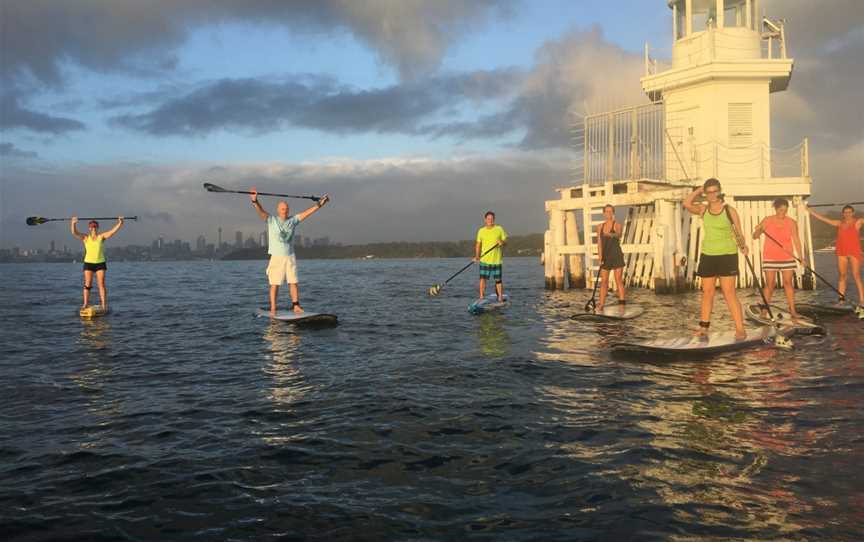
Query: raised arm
point(736, 230)
point(73, 227)
point(314, 209)
point(823, 218)
point(691, 205)
point(110, 233)
point(256, 205)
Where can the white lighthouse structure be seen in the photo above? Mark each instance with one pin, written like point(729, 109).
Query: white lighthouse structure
point(709, 116)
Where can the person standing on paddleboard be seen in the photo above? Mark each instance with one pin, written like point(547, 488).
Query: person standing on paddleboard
point(781, 237)
point(94, 257)
point(848, 249)
point(280, 245)
point(488, 236)
point(721, 241)
point(611, 256)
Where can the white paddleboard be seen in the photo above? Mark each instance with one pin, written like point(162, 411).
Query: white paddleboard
point(802, 325)
point(712, 343)
point(612, 312)
point(300, 318)
point(488, 304)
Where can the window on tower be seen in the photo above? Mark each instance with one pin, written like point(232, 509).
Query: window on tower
point(734, 13)
point(680, 20)
point(704, 15)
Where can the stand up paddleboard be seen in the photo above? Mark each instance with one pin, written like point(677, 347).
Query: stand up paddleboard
point(802, 325)
point(92, 311)
point(300, 318)
point(488, 304)
point(612, 312)
point(712, 343)
point(829, 309)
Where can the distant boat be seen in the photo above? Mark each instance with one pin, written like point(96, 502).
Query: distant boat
point(370, 256)
point(829, 248)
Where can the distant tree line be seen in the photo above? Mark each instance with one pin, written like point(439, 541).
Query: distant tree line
point(517, 245)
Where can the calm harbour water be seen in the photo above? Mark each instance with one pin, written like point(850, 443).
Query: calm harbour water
point(181, 416)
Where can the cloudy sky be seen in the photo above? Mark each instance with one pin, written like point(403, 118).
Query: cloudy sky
point(415, 115)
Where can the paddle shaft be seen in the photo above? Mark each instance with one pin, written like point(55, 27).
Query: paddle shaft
point(454, 275)
point(757, 280)
point(836, 204)
point(823, 279)
point(80, 218)
point(223, 190)
point(591, 302)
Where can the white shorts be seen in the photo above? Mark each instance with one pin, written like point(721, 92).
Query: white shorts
point(282, 269)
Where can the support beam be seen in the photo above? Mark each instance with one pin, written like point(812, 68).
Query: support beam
point(575, 269)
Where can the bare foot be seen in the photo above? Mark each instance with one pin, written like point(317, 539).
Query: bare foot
point(740, 335)
point(297, 308)
point(273, 310)
point(598, 308)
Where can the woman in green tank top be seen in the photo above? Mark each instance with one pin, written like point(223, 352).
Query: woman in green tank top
point(94, 257)
point(718, 260)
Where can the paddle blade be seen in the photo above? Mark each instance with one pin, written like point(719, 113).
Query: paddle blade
point(589, 307)
point(435, 290)
point(35, 220)
point(210, 187)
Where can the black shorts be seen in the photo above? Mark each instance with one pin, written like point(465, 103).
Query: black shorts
point(724, 265)
point(95, 266)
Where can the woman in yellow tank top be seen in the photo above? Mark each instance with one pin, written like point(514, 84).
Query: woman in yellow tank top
point(94, 257)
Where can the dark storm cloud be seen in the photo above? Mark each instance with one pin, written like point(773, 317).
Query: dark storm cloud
point(14, 116)
point(11, 151)
point(40, 36)
point(320, 103)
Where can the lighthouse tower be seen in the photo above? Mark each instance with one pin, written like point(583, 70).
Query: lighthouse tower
point(709, 116)
point(717, 90)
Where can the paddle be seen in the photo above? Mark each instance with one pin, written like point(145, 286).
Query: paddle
point(836, 204)
point(859, 310)
point(811, 270)
point(36, 220)
point(592, 303)
point(210, 187)
point(436, 289)
point(779, 339)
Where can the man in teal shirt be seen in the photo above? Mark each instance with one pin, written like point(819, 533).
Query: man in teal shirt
point(490, 235)
point(280, 246)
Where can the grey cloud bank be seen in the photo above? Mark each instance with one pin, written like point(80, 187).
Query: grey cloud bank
point(376, 200)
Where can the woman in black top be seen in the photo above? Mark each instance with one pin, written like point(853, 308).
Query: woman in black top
point(611, 256)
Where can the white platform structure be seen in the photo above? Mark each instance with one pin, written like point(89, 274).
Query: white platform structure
point(709, 116)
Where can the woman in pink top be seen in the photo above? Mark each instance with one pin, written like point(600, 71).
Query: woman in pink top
point(848, 249)
point(781, 237)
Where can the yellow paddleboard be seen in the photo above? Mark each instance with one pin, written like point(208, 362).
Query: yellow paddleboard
point(92, 312)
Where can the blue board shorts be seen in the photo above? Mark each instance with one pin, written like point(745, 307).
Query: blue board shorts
point(490, 271)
